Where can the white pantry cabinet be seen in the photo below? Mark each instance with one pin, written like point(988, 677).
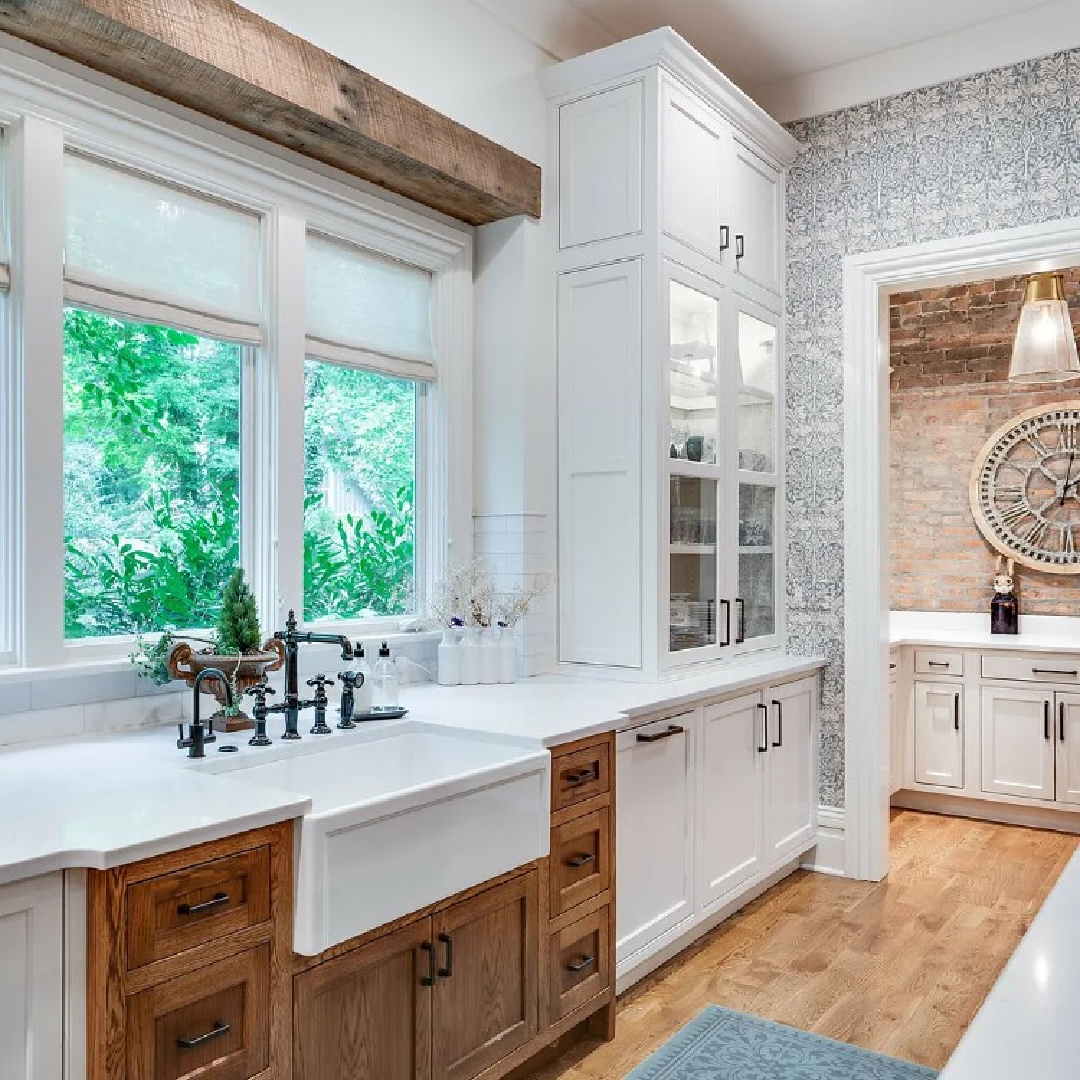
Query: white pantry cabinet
point(939, 734)
point(669, 287)
point(710, 804)
point(32, 979)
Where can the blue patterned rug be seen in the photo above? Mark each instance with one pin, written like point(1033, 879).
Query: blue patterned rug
point(724, 1045)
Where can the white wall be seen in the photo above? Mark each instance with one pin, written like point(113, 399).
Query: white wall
point(449, 54)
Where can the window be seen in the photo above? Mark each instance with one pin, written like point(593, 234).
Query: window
point(359, 493)
point(211, 359)
point(162, 289)
point(151, 475)
point(370, 358)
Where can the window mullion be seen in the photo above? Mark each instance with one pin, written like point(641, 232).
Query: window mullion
point(38, 302)
point(277, 548)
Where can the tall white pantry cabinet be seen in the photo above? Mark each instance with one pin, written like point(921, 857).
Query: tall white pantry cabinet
point(668, 200)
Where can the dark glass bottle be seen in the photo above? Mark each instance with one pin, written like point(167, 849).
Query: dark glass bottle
point(1005, 614)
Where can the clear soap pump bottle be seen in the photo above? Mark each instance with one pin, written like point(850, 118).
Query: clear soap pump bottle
point(385, 680)
point(365, 692)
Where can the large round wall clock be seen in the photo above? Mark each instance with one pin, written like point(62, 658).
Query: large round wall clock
point(1025, 489)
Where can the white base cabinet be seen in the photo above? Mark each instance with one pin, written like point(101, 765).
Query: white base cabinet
point(939, 734)
point(710, 803)
point(653, 842)
point(32, 979)
point(999, 727)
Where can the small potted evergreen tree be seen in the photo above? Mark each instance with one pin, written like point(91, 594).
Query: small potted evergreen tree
point(236, 651)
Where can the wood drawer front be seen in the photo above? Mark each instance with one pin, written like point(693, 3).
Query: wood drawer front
point(938, 662)
point(1033, 667)
point(580, 860)
point(169, 914)
point(194, 1007)
point(580, 775)
point(580, 962)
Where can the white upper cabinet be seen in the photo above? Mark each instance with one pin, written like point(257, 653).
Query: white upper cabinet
point(600, 158)
point(758, 218)
point(695, 168)
point(661, 163)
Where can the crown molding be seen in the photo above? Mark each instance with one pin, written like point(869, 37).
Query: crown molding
point(666, 49)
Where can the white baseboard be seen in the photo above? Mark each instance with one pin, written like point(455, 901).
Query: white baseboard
point(1034, 817)
point(827, 856)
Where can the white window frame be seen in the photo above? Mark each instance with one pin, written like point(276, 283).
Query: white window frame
point(49, 111)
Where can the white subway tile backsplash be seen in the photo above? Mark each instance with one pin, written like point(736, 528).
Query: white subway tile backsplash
point(14, 697)
point(41, 724)
point(59, 689)
point(126, 713)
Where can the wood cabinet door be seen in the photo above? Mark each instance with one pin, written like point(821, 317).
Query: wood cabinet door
point(654, 830)
point(1068, 748)
point(367, 1015)
point(732, 764)
point(1018, 742)
point(790, 807)
point(31, 979)
point(939, 734)
point(486, 998)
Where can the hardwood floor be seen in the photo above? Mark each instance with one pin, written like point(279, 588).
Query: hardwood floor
point(899, 967)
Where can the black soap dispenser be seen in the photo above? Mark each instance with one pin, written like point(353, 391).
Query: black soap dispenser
point(1004, 607)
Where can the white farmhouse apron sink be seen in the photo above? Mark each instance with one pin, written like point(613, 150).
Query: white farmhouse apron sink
point(403, 815)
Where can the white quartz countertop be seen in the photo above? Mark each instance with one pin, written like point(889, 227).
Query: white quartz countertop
point(107, 800)
point(1047, 633)
point(1027, 1026)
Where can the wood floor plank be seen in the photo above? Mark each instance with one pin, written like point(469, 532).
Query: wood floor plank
point(899, 967)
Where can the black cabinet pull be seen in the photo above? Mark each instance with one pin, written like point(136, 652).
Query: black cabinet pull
point(429, 978)
point(581, 859)
point(779, 723)
point(725, 237)
point(956, 712)
point(740, 245)
point(448, 941)
point(671, 730)
point(1061, 721)
point(726, 604)
point(219, 900)
point(740, 621)
point(764, 747)
point(1054, 671)
point(582, 776)
point(580, 965)
point(220, 1028)
point(1046, 720)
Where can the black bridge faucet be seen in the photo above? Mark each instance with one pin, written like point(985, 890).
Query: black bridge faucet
point(292, 638)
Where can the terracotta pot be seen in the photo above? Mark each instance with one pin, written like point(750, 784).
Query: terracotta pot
point(185, 663)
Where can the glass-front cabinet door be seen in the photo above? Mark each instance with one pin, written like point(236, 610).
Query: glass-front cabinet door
point(698, 615)
point(757, 469)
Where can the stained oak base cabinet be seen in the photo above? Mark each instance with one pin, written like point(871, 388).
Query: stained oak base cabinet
point(191, 973)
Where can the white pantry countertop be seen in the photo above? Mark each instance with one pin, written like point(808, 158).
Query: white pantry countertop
point(956, 630)
point(106, 800)
point(1027, 1025)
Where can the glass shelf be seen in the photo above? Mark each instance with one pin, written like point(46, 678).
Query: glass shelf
point(692, 563)
point(756, 395)
point(692, 374)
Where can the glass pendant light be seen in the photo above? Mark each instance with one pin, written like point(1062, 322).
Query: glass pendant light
point(1045, 346)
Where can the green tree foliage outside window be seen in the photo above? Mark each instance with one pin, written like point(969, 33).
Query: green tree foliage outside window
point(359, 483)
point(152, 485)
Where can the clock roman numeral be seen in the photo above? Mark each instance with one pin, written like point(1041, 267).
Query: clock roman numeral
point(1015, 513)
point(1066, 436)
point(1036, 533)
point(1036, 444)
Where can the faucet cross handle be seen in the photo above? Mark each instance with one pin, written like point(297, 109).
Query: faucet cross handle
point(259, 711)
point(320, 682)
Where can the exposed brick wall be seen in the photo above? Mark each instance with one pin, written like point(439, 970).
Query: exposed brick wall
point(950, 351)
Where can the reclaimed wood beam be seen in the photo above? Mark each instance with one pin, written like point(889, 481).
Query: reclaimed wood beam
point(229, 63)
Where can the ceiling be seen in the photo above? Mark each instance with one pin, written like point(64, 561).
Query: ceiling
point(781, 43)
point(757, 42)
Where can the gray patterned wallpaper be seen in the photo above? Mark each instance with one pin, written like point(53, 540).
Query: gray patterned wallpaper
point(991, 151)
